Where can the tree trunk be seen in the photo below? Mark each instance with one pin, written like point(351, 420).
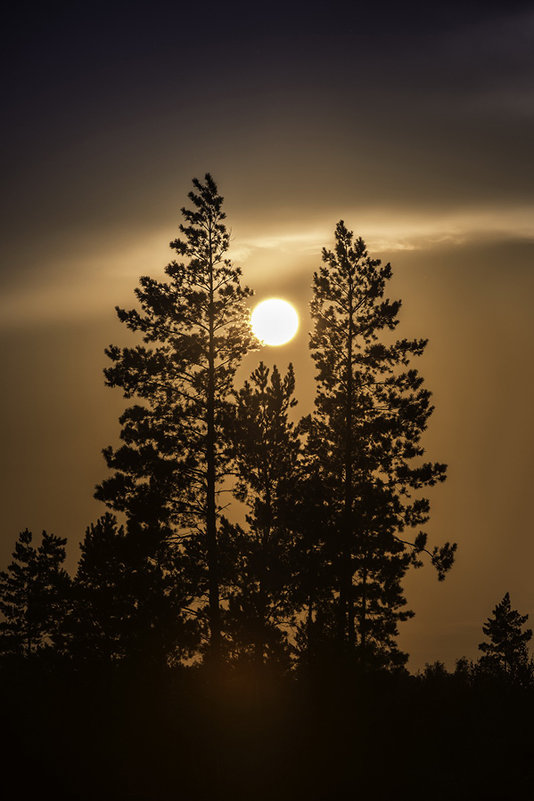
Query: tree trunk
point(262, 606)
point(309, 624)
point(211, 516)
point(363, 618)
point(348, 505)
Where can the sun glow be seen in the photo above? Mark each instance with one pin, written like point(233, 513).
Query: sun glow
point(274, 321)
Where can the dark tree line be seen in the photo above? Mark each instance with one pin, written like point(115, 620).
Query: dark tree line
point(335, 506)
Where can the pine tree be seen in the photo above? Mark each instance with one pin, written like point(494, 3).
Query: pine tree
point(505, 651)
point(316, 575)
point(126, 604)
point(33, 596)
point(170, 469)
point(265, 450)
point(364, 444)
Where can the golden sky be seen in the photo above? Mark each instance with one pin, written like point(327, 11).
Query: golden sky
point(415, 128)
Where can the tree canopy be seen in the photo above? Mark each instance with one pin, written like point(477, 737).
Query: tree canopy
point(364, 444)
point(328, 513)
point(195, 326)
point(505, 647)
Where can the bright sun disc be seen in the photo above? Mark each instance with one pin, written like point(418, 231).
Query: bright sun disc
point(274, 321)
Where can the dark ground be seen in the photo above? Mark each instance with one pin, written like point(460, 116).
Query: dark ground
point(186, 735)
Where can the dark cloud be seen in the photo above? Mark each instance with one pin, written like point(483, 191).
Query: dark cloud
point(100, 104)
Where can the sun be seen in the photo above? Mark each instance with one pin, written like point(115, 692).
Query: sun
point(274, 321)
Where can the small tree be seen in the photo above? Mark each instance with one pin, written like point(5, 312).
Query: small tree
point(505, 651)
point(33, 596)
point(265, 451)
point(127, 605)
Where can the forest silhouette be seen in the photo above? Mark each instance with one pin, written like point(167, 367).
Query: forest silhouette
point(195, 656)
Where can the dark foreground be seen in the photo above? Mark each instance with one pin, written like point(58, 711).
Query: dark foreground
point(188, 735)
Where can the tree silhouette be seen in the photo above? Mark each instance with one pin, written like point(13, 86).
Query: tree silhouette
point(363, 441)
point(33, 596)
point(316, 569)
point(265, 451)
point(126, 600)
point(170, 469)
point(505, 651)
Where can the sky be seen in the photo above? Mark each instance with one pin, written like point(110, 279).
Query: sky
point(413, 122)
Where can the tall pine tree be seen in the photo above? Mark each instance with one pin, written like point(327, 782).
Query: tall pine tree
point(364, 443)
point(195, 326)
